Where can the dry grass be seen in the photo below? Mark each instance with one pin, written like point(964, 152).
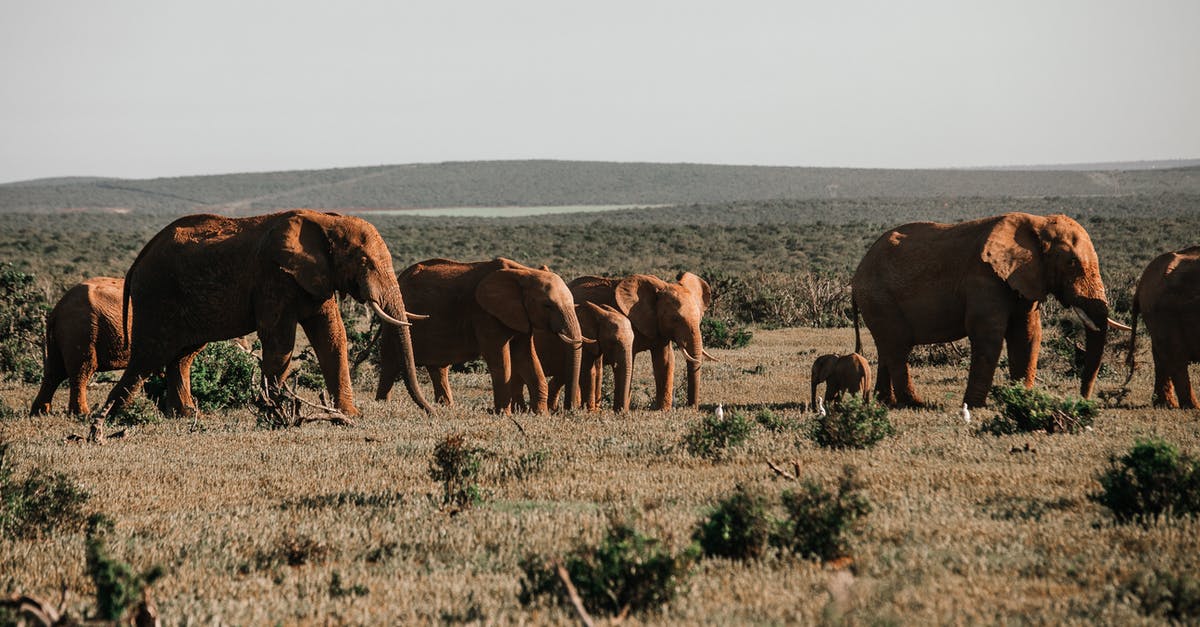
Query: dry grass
point(964, 529)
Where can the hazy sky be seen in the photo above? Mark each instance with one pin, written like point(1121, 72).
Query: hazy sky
point(165, 88)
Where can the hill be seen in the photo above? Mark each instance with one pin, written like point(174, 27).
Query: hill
point(541, 183)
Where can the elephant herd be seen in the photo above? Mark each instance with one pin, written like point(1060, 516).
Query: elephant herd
point(206, 278)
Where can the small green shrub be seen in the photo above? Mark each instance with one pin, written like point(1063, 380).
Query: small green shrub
point(337, 589)
point(457, 466)
point(1154, 478)
point(721, 334)
point(138, 411)
point(41, 503)
point(1021, 410)
point(223, 377)
point(713, 436)
point(774, 423)
point(117, 586)
point(852, 423)
point(8, 413)
point(1167, 595)
point(738, 528)
point(292, 550)
point(819, 523)
point(627, 570)
point(23, 322)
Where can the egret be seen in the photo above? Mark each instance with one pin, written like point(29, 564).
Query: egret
point(966, 413)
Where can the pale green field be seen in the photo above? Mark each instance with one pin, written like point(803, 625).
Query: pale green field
point(963, 529)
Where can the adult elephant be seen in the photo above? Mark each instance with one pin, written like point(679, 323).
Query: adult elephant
point(925, 283)
point(489, 308)
point(207, 277)
point(85, 335)
point(1168, 297)
point(613, 345)
point(659, 313)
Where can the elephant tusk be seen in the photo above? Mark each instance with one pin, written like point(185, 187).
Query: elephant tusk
point(410, 316)
point(688, 356)
point(386, 318)
point(1091, 326)
point(572, 341)
point(706, 354)
point(1117, 325)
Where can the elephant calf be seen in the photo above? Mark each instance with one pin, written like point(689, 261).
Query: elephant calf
point(841, 374)
point(613, 345)
point(1168, 298)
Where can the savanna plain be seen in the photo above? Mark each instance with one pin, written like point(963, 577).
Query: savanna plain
point(333, 524)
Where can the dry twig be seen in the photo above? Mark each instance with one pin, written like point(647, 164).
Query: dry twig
point(573, 594)
point(783, 473)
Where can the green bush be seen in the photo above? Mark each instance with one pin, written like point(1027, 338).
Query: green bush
point(223, 377)
point(737, 528)
point(138, 411)
point(457, 466)
point(117, 585)
point(627, 571)
point(1154, 478)
point(774, 423)
point(41, 503)
point(851, 423)
point(721, 334)
point(1021, 410)
point(819, 523)
point(1166, 595)
point(713, 436)
point(22, 325)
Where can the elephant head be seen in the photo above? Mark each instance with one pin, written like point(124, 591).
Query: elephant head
point(663, 311)
point(326, 253)
point(614, 342)
point(822, 369)
point(1052, 255)
point(525, 300)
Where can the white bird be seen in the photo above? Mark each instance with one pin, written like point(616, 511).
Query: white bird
point(720, 412)
point(966, 413)
point(821, 407)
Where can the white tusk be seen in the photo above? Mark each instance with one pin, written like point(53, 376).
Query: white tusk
point(688, 355)
point(1117, 325)
point(386, 318)
point(570, 340)
point(410, 316)
point(705, 353)
point(587, 340)
point(1091, 326)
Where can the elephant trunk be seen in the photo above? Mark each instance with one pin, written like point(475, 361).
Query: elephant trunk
point(393, 305)
point(622, 378)
point(572, 336)
point(1097, 313)
point(693, 346)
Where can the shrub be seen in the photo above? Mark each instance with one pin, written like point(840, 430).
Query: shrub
point(223, 377)
point(713, 436)
point(721, 334)
point(1154, 478)
point(627, 571)
point(337, 588)
point(775, 424)
point(38, 504)
point(1023, 410)
point(138, 411)
point(22, 325)
point(852, 423)
point(738, 528)
point(292, 550)
point(117, 585)
point(1167, 595)
point(819, 523)
point(457, 465)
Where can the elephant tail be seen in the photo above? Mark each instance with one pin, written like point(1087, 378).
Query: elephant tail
point(857, 336)
point(1130, 360)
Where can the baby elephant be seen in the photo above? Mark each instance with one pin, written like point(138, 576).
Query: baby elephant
point(840, 374)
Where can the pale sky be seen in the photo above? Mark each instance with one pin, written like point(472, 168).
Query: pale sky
point(154, 88)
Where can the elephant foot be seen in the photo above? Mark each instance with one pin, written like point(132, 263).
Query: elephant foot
point(40, 410)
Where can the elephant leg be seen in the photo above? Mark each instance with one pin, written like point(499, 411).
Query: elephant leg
point(440, 376)
point(277, 345)
point(985, 355)
point(1024, 340)
point(883, 385)
point(662, 362)
point(499, 363)
point(900, 388)
point(527, 366)
point(1164, 387)
point(1182, 382)
point(78, 403)
point(327, 335)
point(179, 383)
point(53, 374)
point(588, 386)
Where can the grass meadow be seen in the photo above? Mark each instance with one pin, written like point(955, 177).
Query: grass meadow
point(343, 525)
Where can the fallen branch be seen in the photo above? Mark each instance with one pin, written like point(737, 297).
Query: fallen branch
point(573, 594)
point(783, 473)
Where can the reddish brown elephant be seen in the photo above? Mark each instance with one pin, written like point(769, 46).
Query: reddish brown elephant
point(489, 308)
point(206, 277)
point(840, 374)
point(613, 345)
point(83, 337)
point(1168, 297)
point(659, 313)
point(925, 283)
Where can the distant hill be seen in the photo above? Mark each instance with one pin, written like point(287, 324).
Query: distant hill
point(547, 183)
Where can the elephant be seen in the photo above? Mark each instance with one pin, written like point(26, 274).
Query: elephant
point(924, 283)
point(659, 313)
point(489, 308)
point(613, 344)
point(84, 336)
point(1168, 297)
point(207, 277)
point(840, 374)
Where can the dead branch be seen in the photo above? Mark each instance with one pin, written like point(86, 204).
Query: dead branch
point(29, 606)
point(781, 472)
point(573, 594)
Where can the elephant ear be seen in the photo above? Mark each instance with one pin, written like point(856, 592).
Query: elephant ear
point(637, 298)
point(1014, 251)
point(501, 295)
point(300, 248)
point(697, 286)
